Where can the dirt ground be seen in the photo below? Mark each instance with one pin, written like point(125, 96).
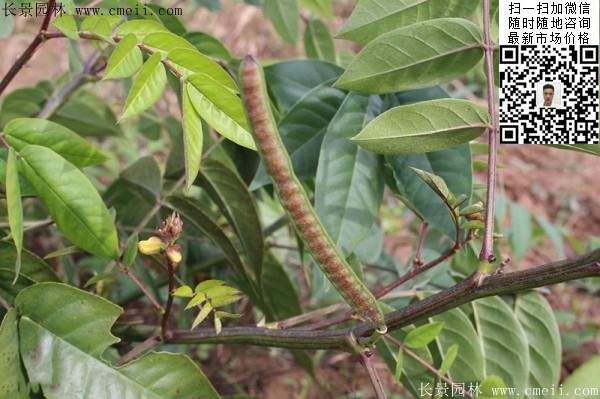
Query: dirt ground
point(560, 185)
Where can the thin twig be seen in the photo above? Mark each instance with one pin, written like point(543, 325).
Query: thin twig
point(412, 273)
point(366, 360)
point(428, 366)
point(150, 343)
point(30, 50)
point(418, 260)
point(129, 273)
point(164, 325)
point(62, 95)
point(4, 303)
point(487, 249)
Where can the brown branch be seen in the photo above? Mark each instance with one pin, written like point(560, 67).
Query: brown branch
point(466, 291)
point(59, 98)
point(129, 273)
point(150, 343)
point(487, 249)
point(366, 360)
point(30, 50)
point(164, 325)
point(418, 259)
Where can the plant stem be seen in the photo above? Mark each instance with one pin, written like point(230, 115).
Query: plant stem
point(366, 360)
point(150, 343)
point(4, 303)
point(418, 259)
point(30, 50)
point(57, 99)
point(164, 326)
point(129, 273)
point(487, 249)
point(466, 291)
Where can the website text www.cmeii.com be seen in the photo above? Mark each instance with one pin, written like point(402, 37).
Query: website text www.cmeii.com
point(461, 390)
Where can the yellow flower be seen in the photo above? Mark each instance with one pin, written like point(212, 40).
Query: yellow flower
point(174, 254)
point(151, 246)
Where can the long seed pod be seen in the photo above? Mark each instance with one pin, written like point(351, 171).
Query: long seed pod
point(296, 202)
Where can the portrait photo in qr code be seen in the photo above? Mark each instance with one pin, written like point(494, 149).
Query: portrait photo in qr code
point(549, 94)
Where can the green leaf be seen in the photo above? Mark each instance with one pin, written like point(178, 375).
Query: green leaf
point(82, 318)
point(164, 42)
point(437, 184)
point(284, 14)
point(318, 43)
point(459, 332)
point(289, 81)
point(399, 364)
point(140, 28)
point(71, 249)
point(88, 115)
point(414, 375)
point(204, 312)
point(192, 138)
point(125, 60)
point(101, 25)
point(208, 45)
point(190, 62)
point(131, 250)
point(13, 384)
point(491, 388)
point(281, 297)
point(583, 381)
point(521, 229)
point(424, 127)
point(321, 7)
point(449, 359)
point(72, 200)
point(590, 149)
point(167, 18)
point(349, 181)
point(229, 191)
point(67, 25)
point(206, 284)
point(453, 165)
point(147, 87)
point(73, 328)
point(541, 329)
point(372, 18)
point(21, 132)
point(221, 109)
point(419, 55)
point(14, 207)
point(423, 335)
point(184, 291)
point(33, 270)
point(553, 233)
point(302, 131)
point(145, 173)
point(503, 342)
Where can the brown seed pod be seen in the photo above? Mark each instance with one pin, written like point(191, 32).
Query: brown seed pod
point(296, 202)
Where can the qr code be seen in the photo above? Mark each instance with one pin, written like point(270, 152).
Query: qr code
point(549, 94)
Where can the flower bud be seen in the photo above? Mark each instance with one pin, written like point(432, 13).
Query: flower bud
point(174, 254)
point(151, 246)
point(171, 228)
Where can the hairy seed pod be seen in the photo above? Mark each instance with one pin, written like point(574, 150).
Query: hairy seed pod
point(296, 202)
